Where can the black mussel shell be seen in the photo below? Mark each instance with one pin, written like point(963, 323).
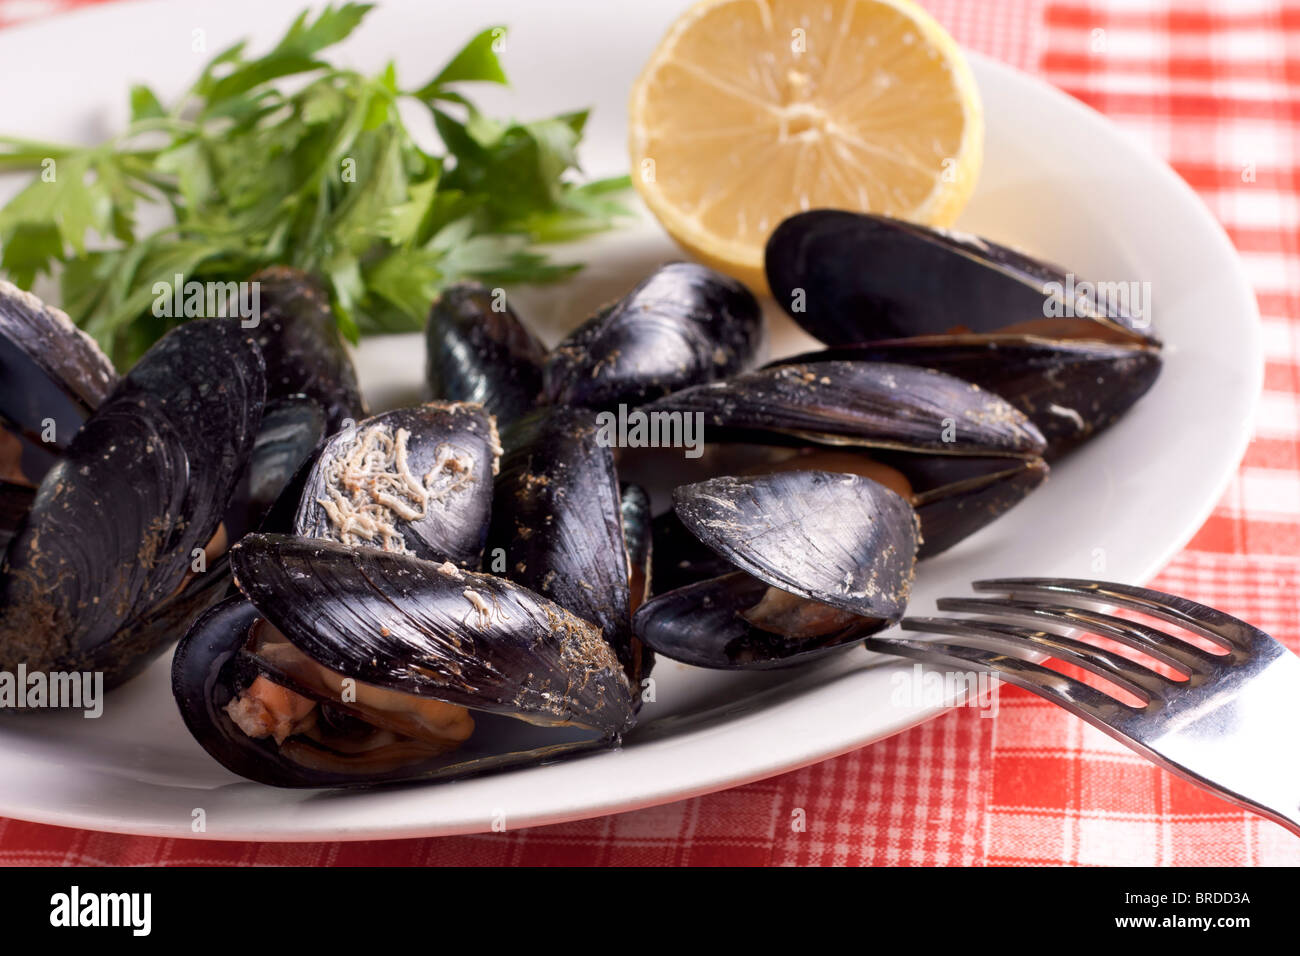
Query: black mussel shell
point(479, 351)
point(49, 369)
point(300, 340)
point(839, 540)
point(557, 516)
point(292, 429)
point(52, 376)
point(849, 278)
point(428, 493)
point(874, 404)
point(701, 624)
point(955, 496)
point(1069, 389)
point(403, 624)
point(212, 665)
point(116, 527)
point(683, 325)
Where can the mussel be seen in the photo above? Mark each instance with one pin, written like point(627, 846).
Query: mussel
point(52, 376)
point(558, 521)
point(962, 456)
point(683, 325)
point(479, 351)
point(879, 289)
point(1070, 389)
point(300, 342)
point(823, 560)
point(123, 540)
point(414, 480)
point(354, 666)
point(850, 277)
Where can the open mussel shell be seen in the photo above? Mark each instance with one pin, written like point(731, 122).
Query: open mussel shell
point(683, 325)
point(416, 480)
point(840, 542)
point(479, 351)
point(539, 682)
point(52, 376)
point(300, 340)
point(849, 278)
point(955, 496)
point(870, 404)
point(1070, 389)
point(558, 518)
point(118, 526)
point(701, 624)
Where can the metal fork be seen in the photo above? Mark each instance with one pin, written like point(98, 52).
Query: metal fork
point(1232, 727)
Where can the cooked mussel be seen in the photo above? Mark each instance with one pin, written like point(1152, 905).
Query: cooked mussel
point(52, 376)
point(122, 540)
point(479, 351)
point(961, 455)
point(823, 560)
point(300, 341)
point(1074, 356)
point(1070, 389)
point(558, 520)
point(414, 480)
point(683, 325)
point(850, 278)
point(352, 666)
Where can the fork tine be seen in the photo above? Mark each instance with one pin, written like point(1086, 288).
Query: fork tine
point(1180, 655)
point(1015, 639)
point(1074, 695)
point(1213, 624)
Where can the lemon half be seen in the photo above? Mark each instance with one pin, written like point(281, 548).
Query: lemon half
point(752, 110)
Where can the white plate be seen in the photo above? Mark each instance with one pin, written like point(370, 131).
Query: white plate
point(1058, 179)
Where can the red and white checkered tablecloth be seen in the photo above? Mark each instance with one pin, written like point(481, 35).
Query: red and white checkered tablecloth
point(1212, 87)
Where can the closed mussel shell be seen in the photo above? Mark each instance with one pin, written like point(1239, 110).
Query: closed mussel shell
point(557, 519)
point(299, 337)
point(479, 351)
point(1069, 389)
point(683, 325)
point(869, 404)
point(849, 278)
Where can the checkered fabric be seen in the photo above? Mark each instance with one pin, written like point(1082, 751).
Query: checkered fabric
point(1215, 89)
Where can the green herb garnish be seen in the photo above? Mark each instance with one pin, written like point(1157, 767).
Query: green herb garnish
point(325, 178)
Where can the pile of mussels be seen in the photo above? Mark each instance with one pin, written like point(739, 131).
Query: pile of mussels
point(327, 570)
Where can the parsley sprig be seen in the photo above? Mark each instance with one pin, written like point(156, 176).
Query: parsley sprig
point(325, 177)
